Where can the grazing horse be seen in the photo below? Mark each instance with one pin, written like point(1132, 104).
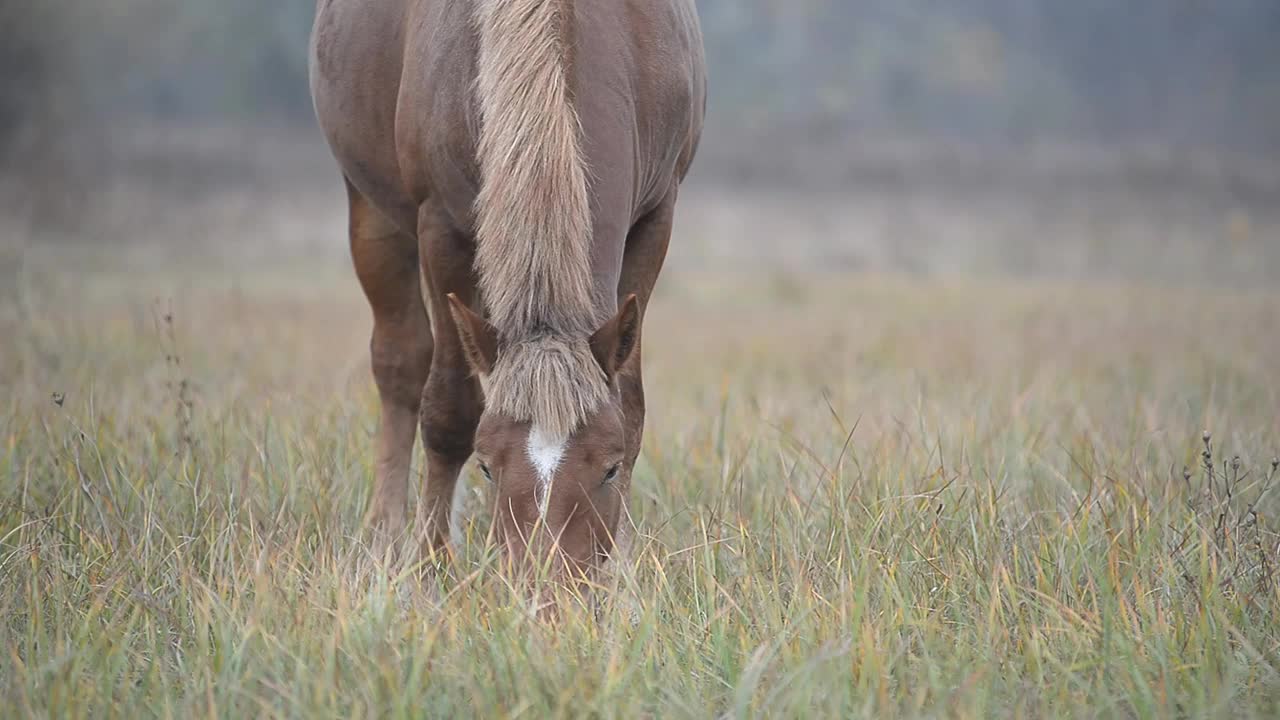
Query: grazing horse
point(521, 160)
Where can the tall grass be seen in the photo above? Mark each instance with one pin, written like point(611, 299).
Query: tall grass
point(858, 497)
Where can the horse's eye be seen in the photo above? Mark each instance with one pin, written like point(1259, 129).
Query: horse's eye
point(612, 473)
point(485, 469)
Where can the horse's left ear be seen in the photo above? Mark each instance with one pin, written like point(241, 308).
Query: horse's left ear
point(613, 344)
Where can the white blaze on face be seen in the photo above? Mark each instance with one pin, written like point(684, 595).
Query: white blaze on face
point(545, 453)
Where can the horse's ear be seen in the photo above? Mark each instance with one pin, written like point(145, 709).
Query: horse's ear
point(479, 338)
point(613, 344)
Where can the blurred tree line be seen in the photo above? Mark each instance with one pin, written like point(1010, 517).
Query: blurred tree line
point(1203, 71)
point(1196, 70)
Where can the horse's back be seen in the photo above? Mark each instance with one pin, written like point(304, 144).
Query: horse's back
point(393, 83)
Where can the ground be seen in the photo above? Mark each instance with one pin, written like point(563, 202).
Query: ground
point(928, 444)
point(861, 494)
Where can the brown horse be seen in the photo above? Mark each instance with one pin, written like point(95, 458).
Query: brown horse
point(521, 158)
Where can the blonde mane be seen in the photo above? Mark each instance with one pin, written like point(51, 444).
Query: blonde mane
point(533, 216)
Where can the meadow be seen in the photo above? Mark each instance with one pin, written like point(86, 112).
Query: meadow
point(861, 495)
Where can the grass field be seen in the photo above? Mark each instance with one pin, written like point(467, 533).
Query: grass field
point(860, 496)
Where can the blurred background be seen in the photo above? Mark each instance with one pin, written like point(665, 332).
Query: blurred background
point(1137, 140)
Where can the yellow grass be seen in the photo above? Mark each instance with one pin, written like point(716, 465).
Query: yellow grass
point(859, 496)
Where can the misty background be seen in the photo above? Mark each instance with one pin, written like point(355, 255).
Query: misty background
point(1082, 139)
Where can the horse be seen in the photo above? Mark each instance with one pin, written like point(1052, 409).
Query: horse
point(512, 169)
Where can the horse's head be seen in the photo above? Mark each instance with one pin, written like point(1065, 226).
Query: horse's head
point(553, 436)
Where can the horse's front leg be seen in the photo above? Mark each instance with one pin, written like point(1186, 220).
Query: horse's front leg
point(641, 263)
point(452, 400)
point(386, 262)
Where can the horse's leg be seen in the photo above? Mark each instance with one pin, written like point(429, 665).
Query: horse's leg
point(641, 263)
point(386, 262)
point(452, 401)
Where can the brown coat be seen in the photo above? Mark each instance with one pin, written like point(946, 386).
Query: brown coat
point(525, 156)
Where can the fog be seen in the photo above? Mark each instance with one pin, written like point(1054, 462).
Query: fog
point(1033, 137)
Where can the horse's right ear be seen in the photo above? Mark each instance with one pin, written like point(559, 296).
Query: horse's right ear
point(479, 338)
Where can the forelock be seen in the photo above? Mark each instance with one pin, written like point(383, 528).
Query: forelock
point(554, 383)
